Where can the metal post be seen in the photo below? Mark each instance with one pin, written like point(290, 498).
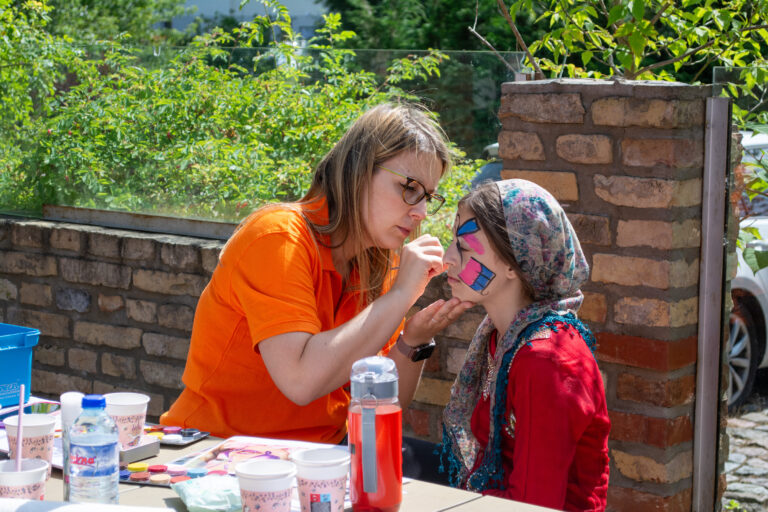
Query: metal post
point(711, 285)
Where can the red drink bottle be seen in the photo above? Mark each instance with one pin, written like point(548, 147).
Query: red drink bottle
point(375, 437)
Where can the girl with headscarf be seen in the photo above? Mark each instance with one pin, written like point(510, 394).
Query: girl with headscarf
point(527, 419)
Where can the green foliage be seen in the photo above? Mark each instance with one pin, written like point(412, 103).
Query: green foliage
point(215, 131)
point(734, 505)
point(88, 21)
point(647, 39)
point(414, 24)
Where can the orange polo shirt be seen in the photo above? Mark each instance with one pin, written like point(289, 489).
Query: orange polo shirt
point(272, 278)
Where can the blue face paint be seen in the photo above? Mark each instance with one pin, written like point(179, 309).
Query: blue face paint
point(468, 227)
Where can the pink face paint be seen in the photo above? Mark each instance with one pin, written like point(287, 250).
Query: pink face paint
point(474, 244)
point(476, 275)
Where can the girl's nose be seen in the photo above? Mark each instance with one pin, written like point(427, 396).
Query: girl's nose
point(451, 255)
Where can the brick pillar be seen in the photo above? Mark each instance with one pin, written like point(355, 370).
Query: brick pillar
point(626, 161)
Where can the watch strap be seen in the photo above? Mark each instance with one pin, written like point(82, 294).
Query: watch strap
point(414, 353)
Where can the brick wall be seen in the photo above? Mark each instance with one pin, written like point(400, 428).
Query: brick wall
point(114, 307)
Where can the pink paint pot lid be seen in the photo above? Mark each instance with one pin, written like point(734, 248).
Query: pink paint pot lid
point(176, 470)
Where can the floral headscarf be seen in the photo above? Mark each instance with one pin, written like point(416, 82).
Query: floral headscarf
point(548, 252)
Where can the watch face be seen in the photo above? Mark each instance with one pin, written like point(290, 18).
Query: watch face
point(423, 352)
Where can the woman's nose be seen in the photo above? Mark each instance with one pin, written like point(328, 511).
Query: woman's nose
point(419, 210)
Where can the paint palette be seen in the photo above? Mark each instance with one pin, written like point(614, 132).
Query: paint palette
point(218, 460)
point(176, 436)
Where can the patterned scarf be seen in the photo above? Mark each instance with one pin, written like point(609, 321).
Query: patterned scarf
point(550, 257)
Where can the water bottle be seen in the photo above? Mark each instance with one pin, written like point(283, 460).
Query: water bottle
point(375, 437)
point(71, 407)
point(94, 454)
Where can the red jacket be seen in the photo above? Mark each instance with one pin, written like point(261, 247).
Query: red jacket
point(557, 455)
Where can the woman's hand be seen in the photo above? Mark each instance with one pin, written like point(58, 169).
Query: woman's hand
point(420, 261)
point(425, 324)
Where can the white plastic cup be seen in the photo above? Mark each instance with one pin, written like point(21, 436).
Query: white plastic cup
point(266, 484)
point(322, 477)
point(129, 412)
point(29, 483)
point(37, 437)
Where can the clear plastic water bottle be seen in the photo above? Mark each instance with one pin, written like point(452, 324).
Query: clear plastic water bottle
point(71, 407)
point(94, 454)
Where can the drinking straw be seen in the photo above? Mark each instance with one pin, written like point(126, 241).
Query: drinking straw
point(18, 428)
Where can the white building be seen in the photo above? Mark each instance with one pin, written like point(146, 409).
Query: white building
point(305, 14)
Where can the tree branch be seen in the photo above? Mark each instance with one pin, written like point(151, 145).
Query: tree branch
point(661, 11)
point(673, 60)
point(538, 75)
point(489, 45)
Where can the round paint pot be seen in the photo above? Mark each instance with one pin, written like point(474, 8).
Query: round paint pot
point(157, 468)
point(171, 430)
point(140, 476)
point(173, 438)
point(189, 432)
point(218, 472)
point(160, 478)
point(125, 474)
point(176, 470)
point(181, 478)
point(138, 467)
point(158, 435)
point(196, 472)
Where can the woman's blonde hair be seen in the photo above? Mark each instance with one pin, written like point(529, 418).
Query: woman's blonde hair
point(343, 176)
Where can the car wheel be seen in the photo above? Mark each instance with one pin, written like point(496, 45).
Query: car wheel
point(743, 353)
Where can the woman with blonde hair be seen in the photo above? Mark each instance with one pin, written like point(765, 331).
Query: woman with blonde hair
point(303, 290)
point(527, 418)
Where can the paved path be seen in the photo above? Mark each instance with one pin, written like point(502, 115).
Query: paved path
point(746, 470)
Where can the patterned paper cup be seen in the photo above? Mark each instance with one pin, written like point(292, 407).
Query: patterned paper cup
point(266, 484)
point(128, 411)
point(37, 433)
point(29, 483)
point(322, 478)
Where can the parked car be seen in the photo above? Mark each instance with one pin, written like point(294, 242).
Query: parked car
point(749, 317)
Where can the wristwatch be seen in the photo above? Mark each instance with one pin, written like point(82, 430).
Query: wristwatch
point(417, 353)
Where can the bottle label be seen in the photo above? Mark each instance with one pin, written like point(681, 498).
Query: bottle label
point(90, 460)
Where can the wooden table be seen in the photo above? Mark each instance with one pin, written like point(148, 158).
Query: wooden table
point(418, 496)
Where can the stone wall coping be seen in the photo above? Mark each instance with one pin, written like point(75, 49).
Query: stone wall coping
point(614, 86)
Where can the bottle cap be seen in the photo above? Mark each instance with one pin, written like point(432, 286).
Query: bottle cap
point(94, 402)
point(374, 377)
point(71, 407)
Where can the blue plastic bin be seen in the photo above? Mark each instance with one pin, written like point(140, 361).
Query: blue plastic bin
point(16, 344)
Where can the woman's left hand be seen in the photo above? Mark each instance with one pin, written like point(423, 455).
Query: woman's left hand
point(425, 324)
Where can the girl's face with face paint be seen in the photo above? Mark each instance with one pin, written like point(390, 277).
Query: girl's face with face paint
point(475, 270)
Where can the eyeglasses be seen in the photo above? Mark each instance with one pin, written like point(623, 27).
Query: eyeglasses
point(414, 194)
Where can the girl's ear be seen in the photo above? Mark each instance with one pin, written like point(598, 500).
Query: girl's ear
point(511, 273)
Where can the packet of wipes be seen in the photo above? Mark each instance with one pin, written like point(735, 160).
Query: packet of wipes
point(210, 493)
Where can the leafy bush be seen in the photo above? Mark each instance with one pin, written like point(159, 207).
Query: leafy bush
point(201, 135)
